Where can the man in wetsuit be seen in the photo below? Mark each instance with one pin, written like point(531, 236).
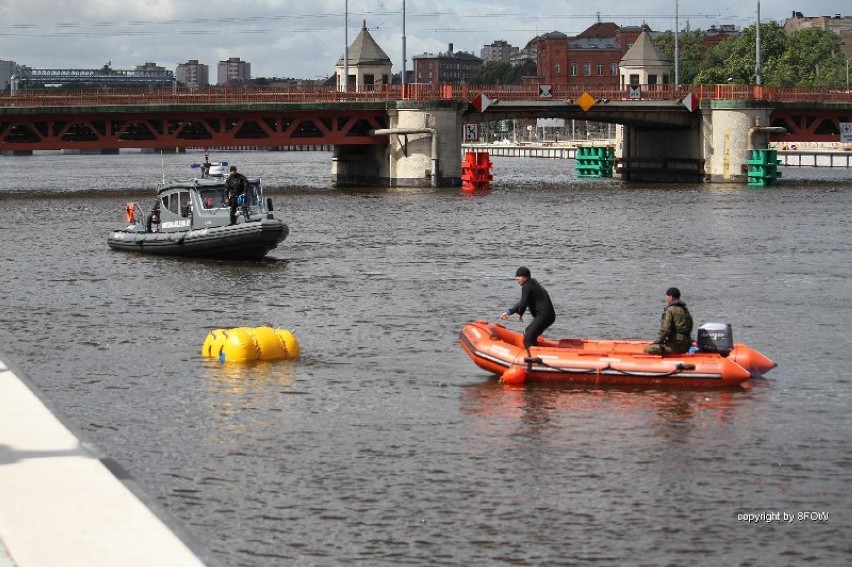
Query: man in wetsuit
point(534, 297)
point(675, 327)
point(235, 185)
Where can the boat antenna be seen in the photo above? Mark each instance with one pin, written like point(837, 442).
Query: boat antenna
point(163, 167)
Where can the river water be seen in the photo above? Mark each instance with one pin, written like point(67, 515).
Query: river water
point(384, 444)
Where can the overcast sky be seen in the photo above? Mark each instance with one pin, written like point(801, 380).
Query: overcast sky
point(304, 39)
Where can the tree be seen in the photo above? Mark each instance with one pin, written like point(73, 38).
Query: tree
point(809, 57)
point(690, 46)
point(502, 73)
point(812, 58)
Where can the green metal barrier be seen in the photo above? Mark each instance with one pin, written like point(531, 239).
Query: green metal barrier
point(595, 162)
point(763, 168)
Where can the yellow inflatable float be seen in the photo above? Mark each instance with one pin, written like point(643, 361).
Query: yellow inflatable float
point(247, 344)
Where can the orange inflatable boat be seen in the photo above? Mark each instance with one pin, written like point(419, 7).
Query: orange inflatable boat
point(719, 363)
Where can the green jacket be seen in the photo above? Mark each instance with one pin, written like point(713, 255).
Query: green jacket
point(676, 324)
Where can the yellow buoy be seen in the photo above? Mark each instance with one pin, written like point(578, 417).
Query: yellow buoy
point(247, 344)
point(288, 339)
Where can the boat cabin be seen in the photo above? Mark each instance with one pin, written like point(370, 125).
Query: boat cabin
point(199, 203)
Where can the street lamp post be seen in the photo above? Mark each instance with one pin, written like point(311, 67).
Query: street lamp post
point(403, 48)
point(676, 49)
point(759, 65)
point(346, 52)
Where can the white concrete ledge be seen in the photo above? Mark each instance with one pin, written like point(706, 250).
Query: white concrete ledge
point(62, 505)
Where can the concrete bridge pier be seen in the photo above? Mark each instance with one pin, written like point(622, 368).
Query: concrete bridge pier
point(728, 131)
point(423, 150)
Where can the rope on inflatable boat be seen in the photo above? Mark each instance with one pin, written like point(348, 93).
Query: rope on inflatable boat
point(679, 368)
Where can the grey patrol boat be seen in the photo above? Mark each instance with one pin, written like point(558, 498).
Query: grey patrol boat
point(191, 218)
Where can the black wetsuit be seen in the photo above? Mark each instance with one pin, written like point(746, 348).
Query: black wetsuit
point(534, 297)
point(235, 186)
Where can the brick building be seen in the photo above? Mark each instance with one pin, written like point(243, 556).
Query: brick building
point(590, 59)
point(449, 67)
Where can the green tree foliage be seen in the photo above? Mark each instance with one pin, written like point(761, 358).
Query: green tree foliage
point(501, 73)
point(813, 58)
point(810, 57)
point(691, 49)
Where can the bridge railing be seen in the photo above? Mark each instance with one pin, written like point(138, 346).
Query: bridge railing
point(40, 98)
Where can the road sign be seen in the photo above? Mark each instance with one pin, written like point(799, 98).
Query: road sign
point(846, 132)
point(471, 132)
point(586, 101)
point(481, 102)
point(690, 102)
point(635, 92)
point(545, 91)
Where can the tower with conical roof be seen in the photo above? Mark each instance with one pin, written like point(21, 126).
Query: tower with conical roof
point(644, 64)
point(369, 66)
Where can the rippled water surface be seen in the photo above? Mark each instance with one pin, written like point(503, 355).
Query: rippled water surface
point(384, 444)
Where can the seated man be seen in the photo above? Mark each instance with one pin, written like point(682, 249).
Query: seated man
point(675, 327)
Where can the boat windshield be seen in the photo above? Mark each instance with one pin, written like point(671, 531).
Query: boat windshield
point(175, 202)
point(253, 193)
point(211, 198)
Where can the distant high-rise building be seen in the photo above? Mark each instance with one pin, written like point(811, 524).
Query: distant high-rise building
point(193, 74)
point(499, 50)
point(233, 71)
point(7, 70)
point(150, 68)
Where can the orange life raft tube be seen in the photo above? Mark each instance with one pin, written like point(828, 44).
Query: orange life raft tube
point(499, 350)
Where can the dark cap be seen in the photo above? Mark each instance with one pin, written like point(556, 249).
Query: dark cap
point(523, 271)
point(674, 292)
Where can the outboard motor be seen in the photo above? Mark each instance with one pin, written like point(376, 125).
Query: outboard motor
point(715, 337)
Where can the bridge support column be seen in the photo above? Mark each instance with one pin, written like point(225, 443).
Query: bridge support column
point(424, 150)
point(667, 155)
point(729, 130)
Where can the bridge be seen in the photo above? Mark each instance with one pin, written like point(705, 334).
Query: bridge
point(391, 135)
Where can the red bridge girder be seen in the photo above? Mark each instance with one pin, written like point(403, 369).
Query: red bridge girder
point(816, 125)
point(82, 129)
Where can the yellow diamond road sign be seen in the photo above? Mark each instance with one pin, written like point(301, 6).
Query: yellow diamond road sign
point(586, 101)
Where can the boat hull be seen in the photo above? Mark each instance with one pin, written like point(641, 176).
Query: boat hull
point(245, 241)
point(500, 351)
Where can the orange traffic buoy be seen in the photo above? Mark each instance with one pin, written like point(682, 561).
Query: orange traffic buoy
point(515, 374)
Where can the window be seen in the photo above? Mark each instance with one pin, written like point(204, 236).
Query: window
point(600, 69)
point(613, 69)
point(652, 79)
point(183, 202)
point(557, 68)
point(253, 193)
point(634, 80)
point(172, 203)
point(587, 69)
point(211, 198)
point(573, 69)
